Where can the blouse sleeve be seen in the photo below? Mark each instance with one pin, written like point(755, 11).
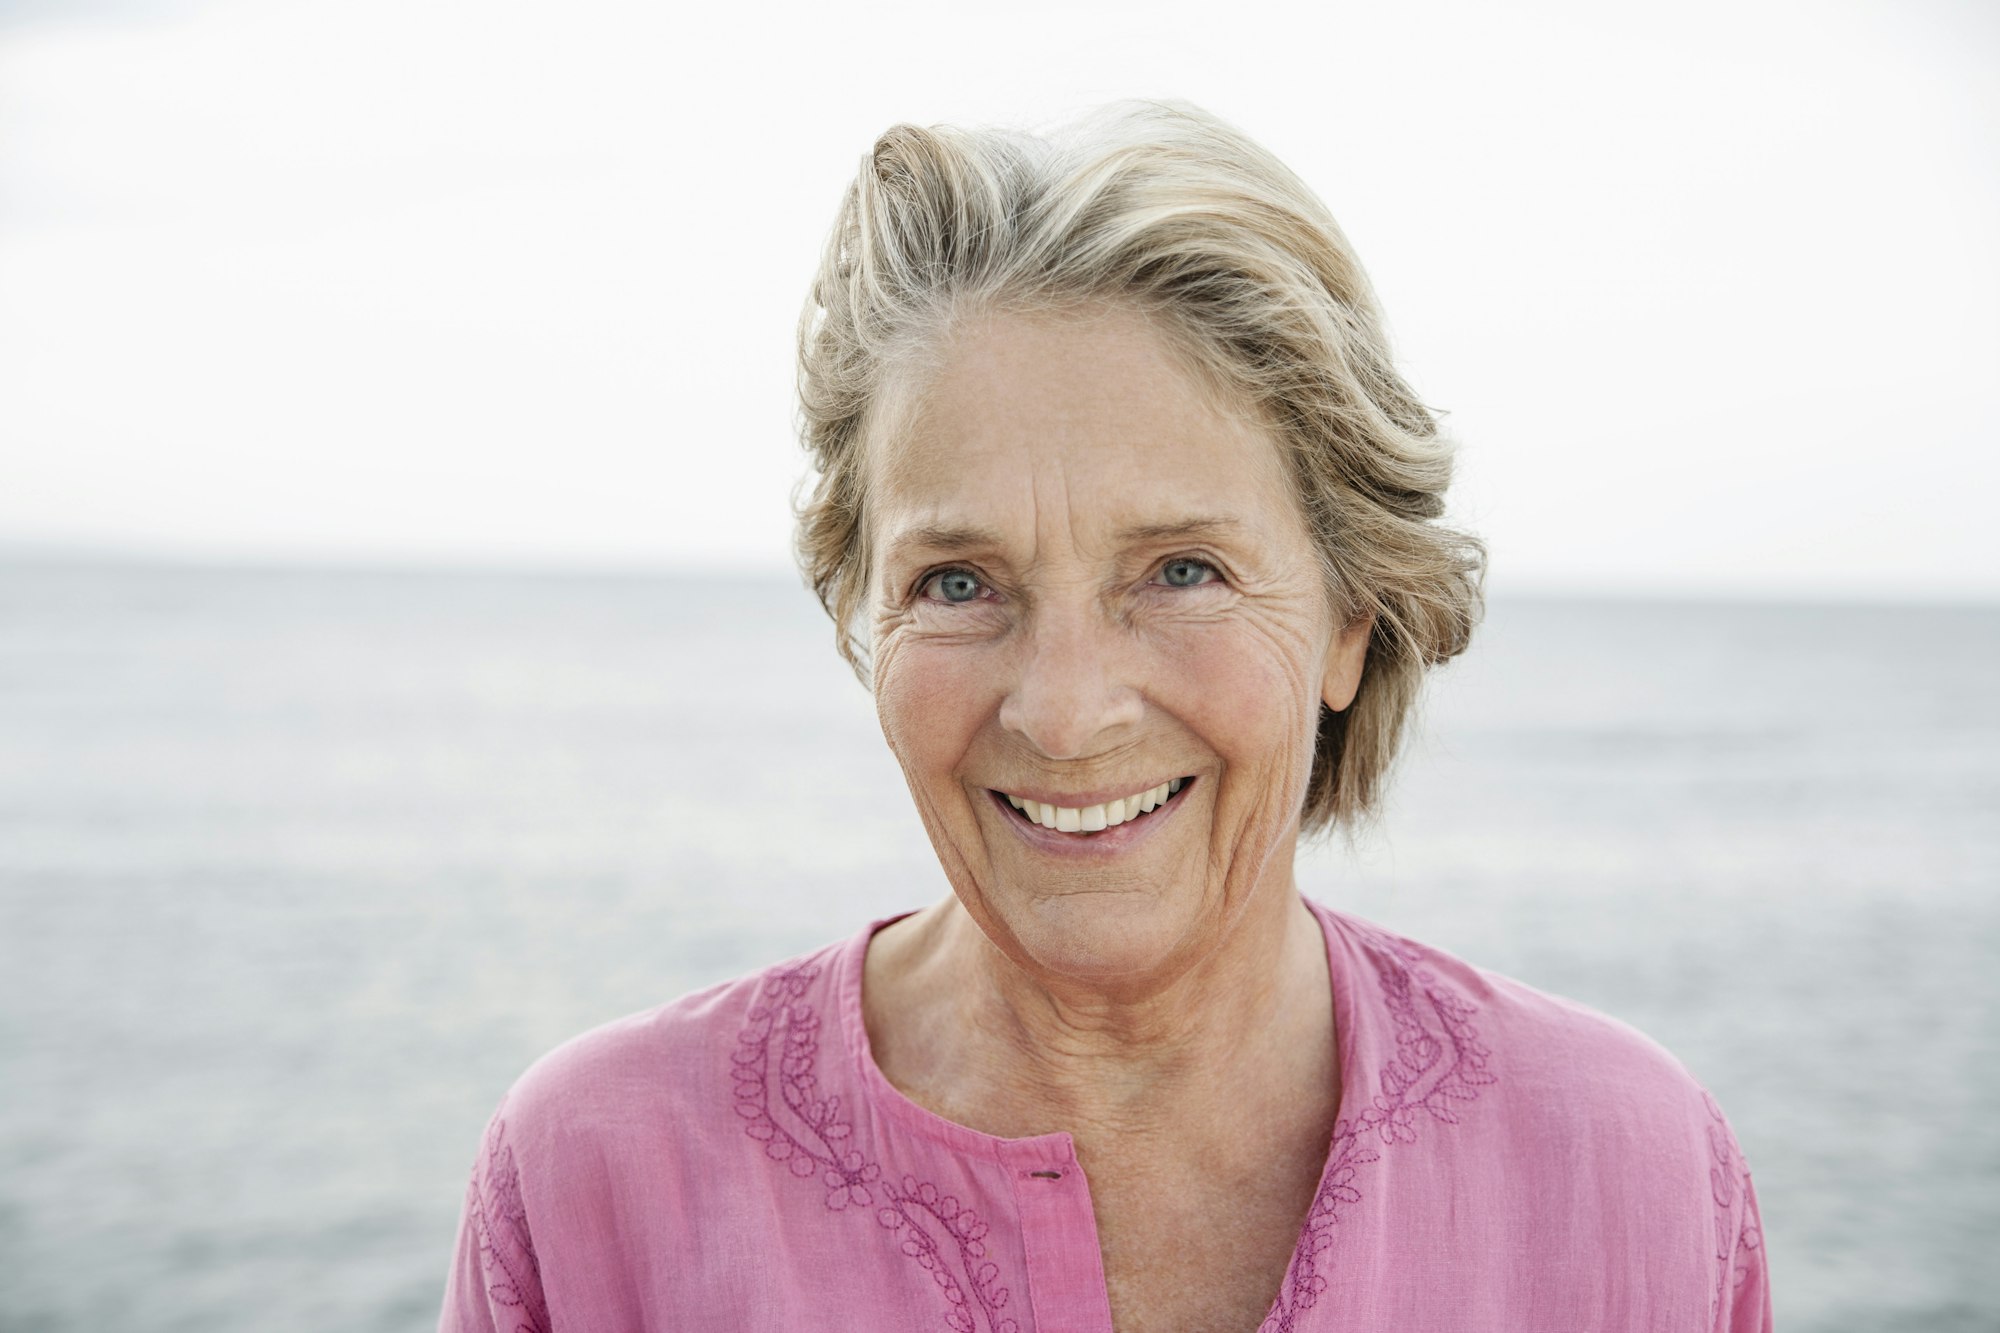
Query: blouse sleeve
point(495, 1283)
point(1743, 1303)
point(1747, 1306)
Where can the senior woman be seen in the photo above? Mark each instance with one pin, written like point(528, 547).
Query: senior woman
point(1125, 512)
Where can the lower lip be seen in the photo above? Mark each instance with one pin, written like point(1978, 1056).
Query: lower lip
point(1104, 842)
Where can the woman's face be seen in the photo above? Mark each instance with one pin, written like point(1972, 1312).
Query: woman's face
point(1092, 581)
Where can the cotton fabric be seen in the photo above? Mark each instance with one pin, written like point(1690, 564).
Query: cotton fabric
point(1503, 1160)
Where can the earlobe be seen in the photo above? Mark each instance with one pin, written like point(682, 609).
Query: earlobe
point(1344, 663)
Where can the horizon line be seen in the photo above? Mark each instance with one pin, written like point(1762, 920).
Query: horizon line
point(82, 556)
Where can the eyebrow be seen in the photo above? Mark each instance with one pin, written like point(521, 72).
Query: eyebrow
point(944, 537)
point(949, 537)
point(1201, 525)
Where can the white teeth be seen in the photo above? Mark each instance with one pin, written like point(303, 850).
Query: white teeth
point(1094, 818)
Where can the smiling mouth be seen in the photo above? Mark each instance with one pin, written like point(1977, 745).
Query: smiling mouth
point(1095, 818)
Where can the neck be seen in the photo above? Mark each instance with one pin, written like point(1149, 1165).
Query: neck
point(965, 1030)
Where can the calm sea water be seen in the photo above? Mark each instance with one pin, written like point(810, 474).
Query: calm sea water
point(297, 871)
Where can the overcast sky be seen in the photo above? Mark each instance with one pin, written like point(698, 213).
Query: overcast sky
point(1709, 292)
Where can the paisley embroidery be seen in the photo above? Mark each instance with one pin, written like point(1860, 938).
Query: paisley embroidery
point(1439, 1064)
point(782, 1037)
point(506, 1250)
point(1727, 1175)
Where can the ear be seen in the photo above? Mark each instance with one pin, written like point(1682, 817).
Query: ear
point(1344, 661)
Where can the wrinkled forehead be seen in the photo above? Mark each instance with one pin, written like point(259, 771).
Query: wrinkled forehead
point(1095, 422)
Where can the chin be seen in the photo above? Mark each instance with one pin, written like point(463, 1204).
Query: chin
point(1102, 936)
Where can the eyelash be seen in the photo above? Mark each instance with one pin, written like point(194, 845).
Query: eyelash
point(1215, 574)
point(927, 587)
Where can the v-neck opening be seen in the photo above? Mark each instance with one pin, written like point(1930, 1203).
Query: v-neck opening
point(1057, 1150)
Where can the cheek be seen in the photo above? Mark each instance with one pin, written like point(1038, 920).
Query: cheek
point(1255, 703)
point(929, 700)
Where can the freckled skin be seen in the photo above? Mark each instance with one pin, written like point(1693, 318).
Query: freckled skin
point(1167, 1002)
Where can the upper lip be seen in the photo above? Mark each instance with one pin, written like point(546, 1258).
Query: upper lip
point(1084, 800)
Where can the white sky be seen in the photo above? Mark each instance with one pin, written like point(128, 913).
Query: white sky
point(1709, 291)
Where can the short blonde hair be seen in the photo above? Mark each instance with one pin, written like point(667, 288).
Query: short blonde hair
point(1167, 209)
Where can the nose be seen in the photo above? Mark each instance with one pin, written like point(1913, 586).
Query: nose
point(1072, 693)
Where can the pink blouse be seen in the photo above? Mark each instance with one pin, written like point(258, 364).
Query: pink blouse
point(734, 1160)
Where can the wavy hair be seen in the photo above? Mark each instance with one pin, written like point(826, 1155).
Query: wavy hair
point(1168, 209)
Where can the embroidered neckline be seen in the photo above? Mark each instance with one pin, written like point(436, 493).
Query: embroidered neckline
point(1439, 1064)
point(780, 1043)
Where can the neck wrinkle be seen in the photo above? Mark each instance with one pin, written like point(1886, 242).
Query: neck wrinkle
point(1088, 1060)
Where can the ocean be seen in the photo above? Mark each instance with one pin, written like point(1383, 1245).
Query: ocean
point(298, 870)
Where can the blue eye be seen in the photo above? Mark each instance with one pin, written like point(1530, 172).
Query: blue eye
point(955, 585)
point(1185, 572)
